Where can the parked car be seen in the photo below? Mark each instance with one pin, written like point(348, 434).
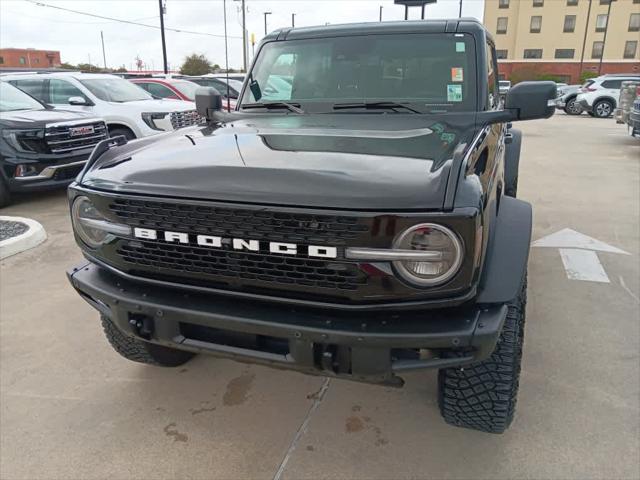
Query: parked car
point(504, 86)
point(239, 77)
point(634, 118)
point(41, 147)
point(599, 96)
point(168, 88)
point(364, 227)
point(233, 88)
point(126, 108)
point(566, 100)
point(628, 94)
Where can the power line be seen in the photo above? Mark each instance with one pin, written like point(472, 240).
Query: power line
point(130, 22)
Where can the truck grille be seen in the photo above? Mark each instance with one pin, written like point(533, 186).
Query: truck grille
point(235, 222)
point(63, 139)
point(185, 260)
point(185, 119)
point(209, 266)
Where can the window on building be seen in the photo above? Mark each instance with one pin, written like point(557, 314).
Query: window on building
point(502, 54)
point(605, 2)
point(22, 61)
point(538, 3)
point(36, 60)
point(630, 48)
point(601, 23)
point(502, 25)
point(636, 1)
point(503, 4)
point(565, 53)
point(1, 60)
point(572, 3)
point(536, 24)
point(596, 51)
point(532, 53)
point(634, 22)
point(569, 23)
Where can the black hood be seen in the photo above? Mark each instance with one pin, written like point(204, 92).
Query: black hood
point(354, 161)
point(38, 118)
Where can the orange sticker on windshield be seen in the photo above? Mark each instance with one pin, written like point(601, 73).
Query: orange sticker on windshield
point(457, 74)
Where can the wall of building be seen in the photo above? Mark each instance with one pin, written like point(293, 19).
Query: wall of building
point(29, 58)
point(552, 36)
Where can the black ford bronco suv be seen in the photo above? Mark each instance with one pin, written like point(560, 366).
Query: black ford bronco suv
point(355, 217)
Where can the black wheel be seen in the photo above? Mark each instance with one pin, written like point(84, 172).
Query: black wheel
point(572, 107)
point(591, 114)
point(5, 195)
point(483, 396)
point(125, 132)
point(140, 351)
point(602, 109)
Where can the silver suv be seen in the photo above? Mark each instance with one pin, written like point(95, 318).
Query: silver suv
point(599, 96)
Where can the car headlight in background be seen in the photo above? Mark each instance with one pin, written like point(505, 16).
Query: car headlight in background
point(25, 140)
point(425, 255)
point(150, 119)
point(92, 227)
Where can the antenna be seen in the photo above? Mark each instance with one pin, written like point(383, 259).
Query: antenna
point(226, 53)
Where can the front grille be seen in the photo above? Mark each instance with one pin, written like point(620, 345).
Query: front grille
point(70, 138)
point(175, 259)
point(301, 228)
point(185, 119)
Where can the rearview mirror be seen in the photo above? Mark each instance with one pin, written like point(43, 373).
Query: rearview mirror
point(208, 100)
point(531, 100)
point(77, 101)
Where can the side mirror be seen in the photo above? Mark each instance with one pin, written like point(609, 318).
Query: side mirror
point(531, 100)
point(77, 101)
point(208, 100)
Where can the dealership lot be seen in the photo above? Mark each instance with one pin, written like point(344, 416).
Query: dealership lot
point(72, 408)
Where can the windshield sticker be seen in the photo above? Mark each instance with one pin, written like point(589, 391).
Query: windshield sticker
point(448, 138)
point(457, 74)
point(460, 47)
point(454, 93)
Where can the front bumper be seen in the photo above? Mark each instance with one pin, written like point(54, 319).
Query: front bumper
point(362, 346)
point(54, 172)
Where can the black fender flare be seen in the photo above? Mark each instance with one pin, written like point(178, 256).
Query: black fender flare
point(508, 253)
point(512, 162)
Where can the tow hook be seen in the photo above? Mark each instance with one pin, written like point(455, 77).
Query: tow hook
point(142, 326)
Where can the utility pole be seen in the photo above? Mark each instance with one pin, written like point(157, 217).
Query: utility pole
point(380, 13)
point(164, 45)
point(293, 20)
point(460, 12)
point(604, 39)
point(244, 37)
point(584, 41)
point(265, 22)
point(104, 57)
point(226, 54)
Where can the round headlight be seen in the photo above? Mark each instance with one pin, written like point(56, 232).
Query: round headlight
point(446, 254)
point(91, 226)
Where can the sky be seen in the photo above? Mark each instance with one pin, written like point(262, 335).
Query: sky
point(25, 24)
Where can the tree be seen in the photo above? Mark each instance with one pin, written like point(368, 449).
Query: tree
point(195, 64)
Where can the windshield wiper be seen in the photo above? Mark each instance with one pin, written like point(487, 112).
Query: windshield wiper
point(273, 105)
point(374, 106)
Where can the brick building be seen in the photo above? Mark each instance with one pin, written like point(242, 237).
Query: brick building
point(564, 38)
point(29, 58)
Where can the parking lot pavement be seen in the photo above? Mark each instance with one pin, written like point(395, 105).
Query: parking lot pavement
point(71, 408)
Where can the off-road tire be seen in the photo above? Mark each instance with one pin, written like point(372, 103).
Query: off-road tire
point(5, 195)
point(141, 351)
point(600, 109)
point(572, 108)
point(483, 396)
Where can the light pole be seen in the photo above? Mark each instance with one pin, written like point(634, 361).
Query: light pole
point(265, 21)
point(604, 39)
point(584, 41)
point(245, 50)
point(293, 20)
point(164, 45)
point(460, 12)
point(380, 13)
point(104, 57)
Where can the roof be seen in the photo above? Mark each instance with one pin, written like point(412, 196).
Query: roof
point(364, 28)
point(57, 75)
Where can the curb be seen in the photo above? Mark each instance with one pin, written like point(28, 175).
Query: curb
point(29, 239)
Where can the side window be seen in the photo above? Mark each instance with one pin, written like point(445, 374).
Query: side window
point(160, 91)
point(60, 91)
point(492, 79)
point(144, 86)
point(35, 88)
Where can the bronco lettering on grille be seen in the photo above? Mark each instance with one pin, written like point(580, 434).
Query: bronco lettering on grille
point(241, 244)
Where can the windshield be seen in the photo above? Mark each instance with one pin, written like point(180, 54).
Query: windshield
point(12, 99)
point(186, 88)
point(430, 72)
point(115, 90)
